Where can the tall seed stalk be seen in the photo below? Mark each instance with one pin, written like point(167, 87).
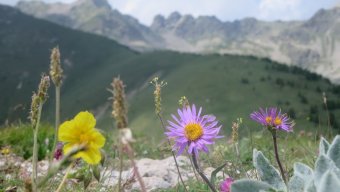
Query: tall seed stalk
point(119, 113)
point(38, 99)
point(158, 111)
point(56, 73)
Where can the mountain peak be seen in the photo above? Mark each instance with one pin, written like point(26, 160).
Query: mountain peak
point(174, 16)
point(96, 3)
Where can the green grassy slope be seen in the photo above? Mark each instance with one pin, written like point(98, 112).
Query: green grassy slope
point(227, 86)
point(232, 86)
point(25, 44)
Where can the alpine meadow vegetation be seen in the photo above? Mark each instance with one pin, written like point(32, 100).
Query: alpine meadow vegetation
point(80, 155)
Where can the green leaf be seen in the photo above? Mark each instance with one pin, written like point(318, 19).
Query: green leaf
point(303, 171)
point(87, 180)
point(334, 151)
point(329, 183)
point(246, 185)
point(302, 176)
point(103, 154)
point(296, 184)
point(214, 173)
point(96, 172)
point(267, 172)
point(323, 146)
point(310, 187)
point(322, 165)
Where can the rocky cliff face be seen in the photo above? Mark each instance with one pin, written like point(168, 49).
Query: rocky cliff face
point(311, 44)
point(96, 16)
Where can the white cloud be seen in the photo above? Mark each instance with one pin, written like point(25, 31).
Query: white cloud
point(279, 9)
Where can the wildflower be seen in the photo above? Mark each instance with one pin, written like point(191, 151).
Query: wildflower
point(272, 118)
point(58, 153)
point(5, 151)
point(193, 130)
point(80, 131)
point(226, 184)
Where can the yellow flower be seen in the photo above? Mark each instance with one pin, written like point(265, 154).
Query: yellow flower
point(81, 131)
point(5, 151)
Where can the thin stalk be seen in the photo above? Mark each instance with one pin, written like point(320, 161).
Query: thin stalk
point(56, 167)
point(193, 168)
point(130, 153)
point(239, 159)
point(120, 167)
point(172, 152)
point(199, 171)
point(277, 156)
point(329, 131)
point(64, 178)
point(57, 122)
point(35, 150)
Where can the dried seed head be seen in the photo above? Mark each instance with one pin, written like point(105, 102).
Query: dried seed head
point(183, 102)
point(43, 87)
point(56, 71)
point(119, 104)
point(157, 94)
point(34, 109)
point(235, 126)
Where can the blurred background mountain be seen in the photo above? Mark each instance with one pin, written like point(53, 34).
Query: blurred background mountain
point(312, 44)
point(230, 68)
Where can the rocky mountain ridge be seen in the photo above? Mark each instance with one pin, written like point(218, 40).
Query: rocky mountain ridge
point(311, 44)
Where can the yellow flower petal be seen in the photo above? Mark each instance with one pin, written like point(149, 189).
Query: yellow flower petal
point(81, 131)
point(68, 132)
point(97, 139)
point(85, 120)
point(90, 155)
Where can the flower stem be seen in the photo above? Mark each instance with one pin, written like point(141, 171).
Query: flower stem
point(64, 178)
point(173, 154)
point(120, 166)
point(56, 167)
point(277, 156)
point(130, 153)
point(211, 186)
point(35, 150)
point(57, 122)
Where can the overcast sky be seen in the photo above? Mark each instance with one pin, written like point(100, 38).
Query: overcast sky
point(226, 10)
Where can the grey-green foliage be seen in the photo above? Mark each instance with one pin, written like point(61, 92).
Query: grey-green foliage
point(267, 172)
point(324, 178)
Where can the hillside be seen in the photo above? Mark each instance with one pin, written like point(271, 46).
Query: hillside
point(96, 16)
point(225, 85)
point(312, 44)
point(24, 54)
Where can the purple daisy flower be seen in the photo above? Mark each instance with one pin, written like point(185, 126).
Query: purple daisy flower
point(226, 184)
point(193, 130)
point(273, 118)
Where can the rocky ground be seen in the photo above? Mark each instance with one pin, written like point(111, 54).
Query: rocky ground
point(156, 174)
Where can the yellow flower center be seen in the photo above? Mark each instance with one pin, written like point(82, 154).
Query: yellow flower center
point(277, 121)
point(269, 119)
point(193, 131)
point(84, 138)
